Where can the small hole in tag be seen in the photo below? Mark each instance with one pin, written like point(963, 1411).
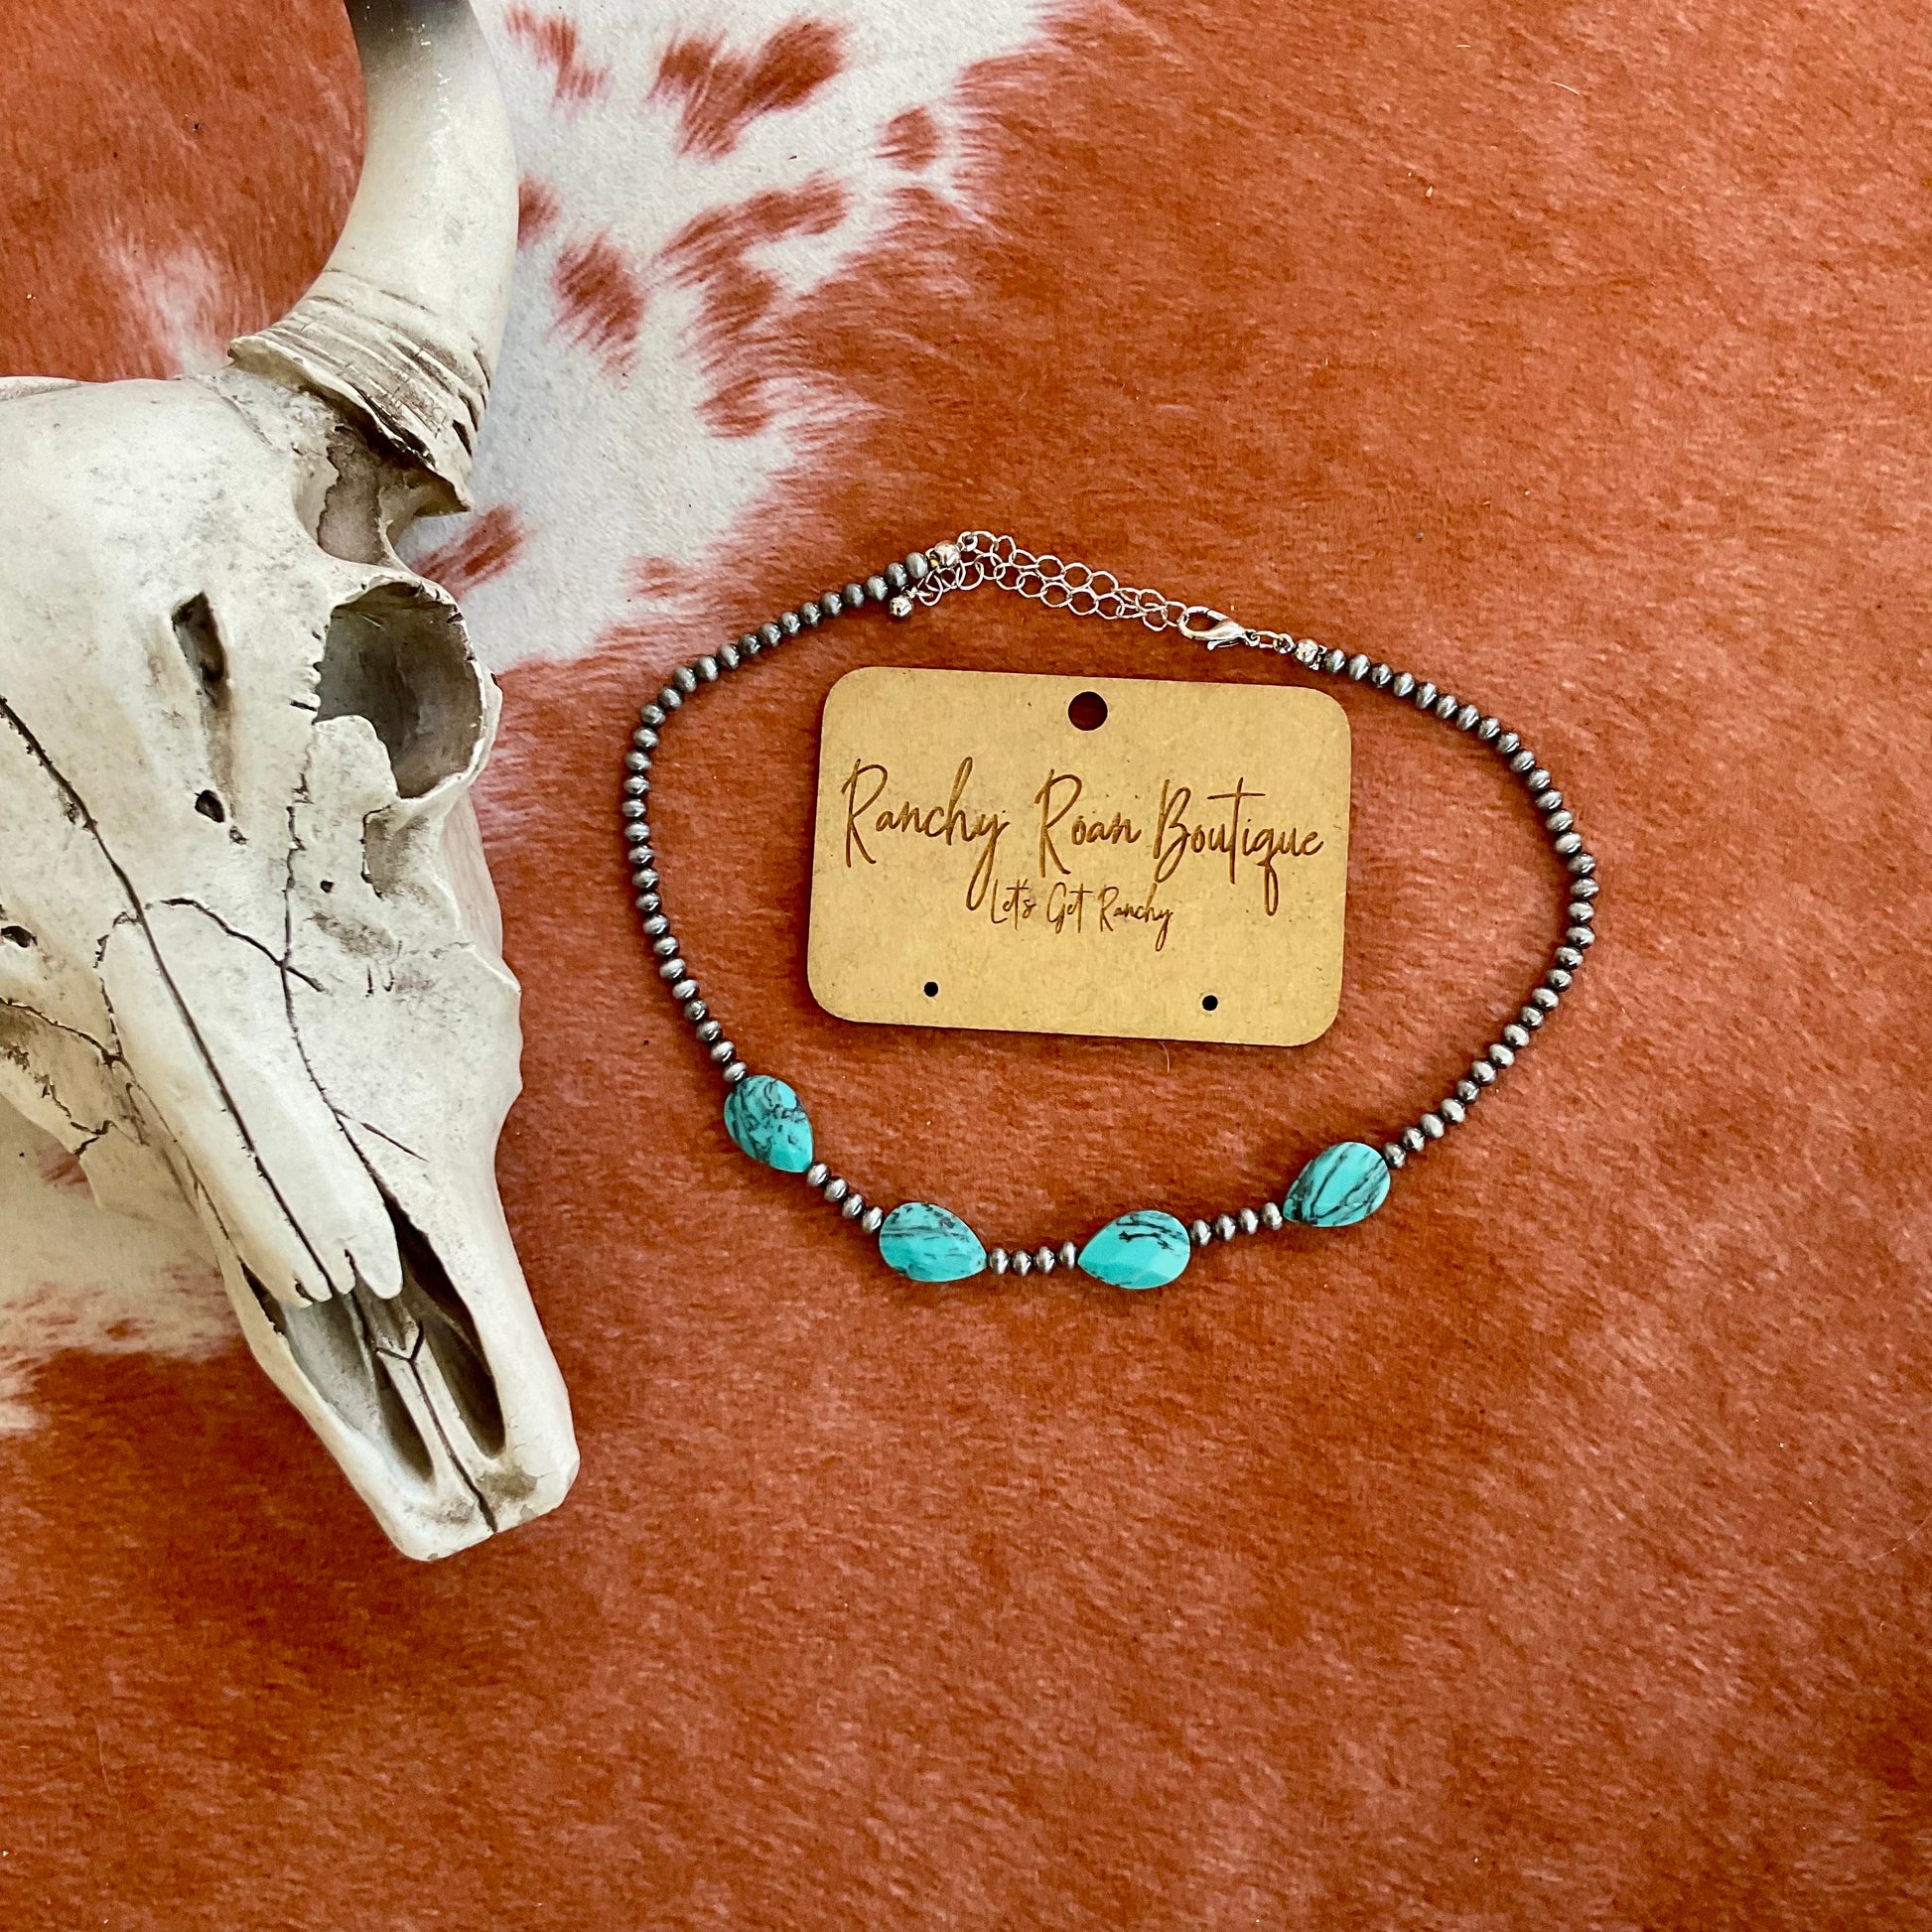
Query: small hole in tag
point(1087, 712)
point(932, 989)
point(1209, 1001)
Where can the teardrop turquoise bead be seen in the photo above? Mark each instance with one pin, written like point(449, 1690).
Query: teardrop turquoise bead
point(926, 1244)
point(1144, 1249)
point(763, 1117)
point(1342, 1186)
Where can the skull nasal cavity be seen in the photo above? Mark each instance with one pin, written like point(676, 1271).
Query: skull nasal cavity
point(397, 656)
point(200, 644)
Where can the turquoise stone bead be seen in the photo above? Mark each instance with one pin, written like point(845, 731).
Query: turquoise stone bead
point(1146, 1249)
point(926, 1244)
point(1342, 1186)
point(763, 1117)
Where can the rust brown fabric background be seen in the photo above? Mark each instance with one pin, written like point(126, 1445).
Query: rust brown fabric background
point(1550, 1551)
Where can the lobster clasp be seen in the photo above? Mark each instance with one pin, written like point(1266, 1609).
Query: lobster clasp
point(1201, 625)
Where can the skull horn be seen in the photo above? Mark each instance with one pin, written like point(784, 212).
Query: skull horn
point(402, 328)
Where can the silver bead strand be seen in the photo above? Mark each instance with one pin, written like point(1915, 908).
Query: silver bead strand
point(688, 681)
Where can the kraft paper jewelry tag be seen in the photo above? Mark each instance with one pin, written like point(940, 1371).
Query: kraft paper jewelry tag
point(1126, 857)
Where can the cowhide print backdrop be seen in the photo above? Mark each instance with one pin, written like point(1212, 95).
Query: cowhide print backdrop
point(1551, 1551)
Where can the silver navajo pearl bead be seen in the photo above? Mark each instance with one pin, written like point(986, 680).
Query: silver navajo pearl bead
point(685, 679)
point(1535, 781)
point(672, 969)
point(789, 622)
point(644, 879)
point(655, 924)
point(830, 603)
point(1548, 997)
point(1482, 1073)
point(1200, 1233)
point(1507, 743)
point(723, 1051)
point(1250, 1221)
point(1501, 1056)
point(1070, 1253)
point(729, 657)
point(1560, 821)
point(1445, 706)
point(664, 946)
point(1403, 684)
point(653, 715)
point(751, 643)
point(1425, 695)
point(877, 589)
point(817, 1175)
point(873, 1219)
point(810, 615)
point(771, 635)
point(1583, 937)
point(1581, 863)
point(1568, 957)
point(853, 1207)
point(1465, 718)
point(636, 762)
point(695, 1010)
point(835, 1190)
point(1023, 1262)
point(1581, 911)
point(736, 1072)
point(1547, 802)
point(707, 669)
point(1380, 676)
point(1468, 1092)
point(1522, 760)
point(1045, 1259)
point(1453, 1111)
point(895, 577)
point(1531, 1017)
point(634, 809)
point(1568, 843)
point(1557, 979)
point(685, 989)
point(916, 566)
point(1414, 1139)
point(1487, 727)
point(709, 1030)
point(1395, 1153)
point(670, 698)
point(636, 786)
point(1271, 1217)
point(1432, 1125)
point(1584, 888)
point(1333, 661)
point(997, 1261)
point(855, 596)
point(1358, 667)
point(647, 903)
point(1516, 1037)
point(1225, 1227)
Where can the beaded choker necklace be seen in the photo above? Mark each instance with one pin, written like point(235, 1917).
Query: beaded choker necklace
point(1148, 1248)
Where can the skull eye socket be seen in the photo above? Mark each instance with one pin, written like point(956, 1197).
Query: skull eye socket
point(398, 657)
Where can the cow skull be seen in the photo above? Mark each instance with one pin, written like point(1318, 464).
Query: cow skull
point(250, 958)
